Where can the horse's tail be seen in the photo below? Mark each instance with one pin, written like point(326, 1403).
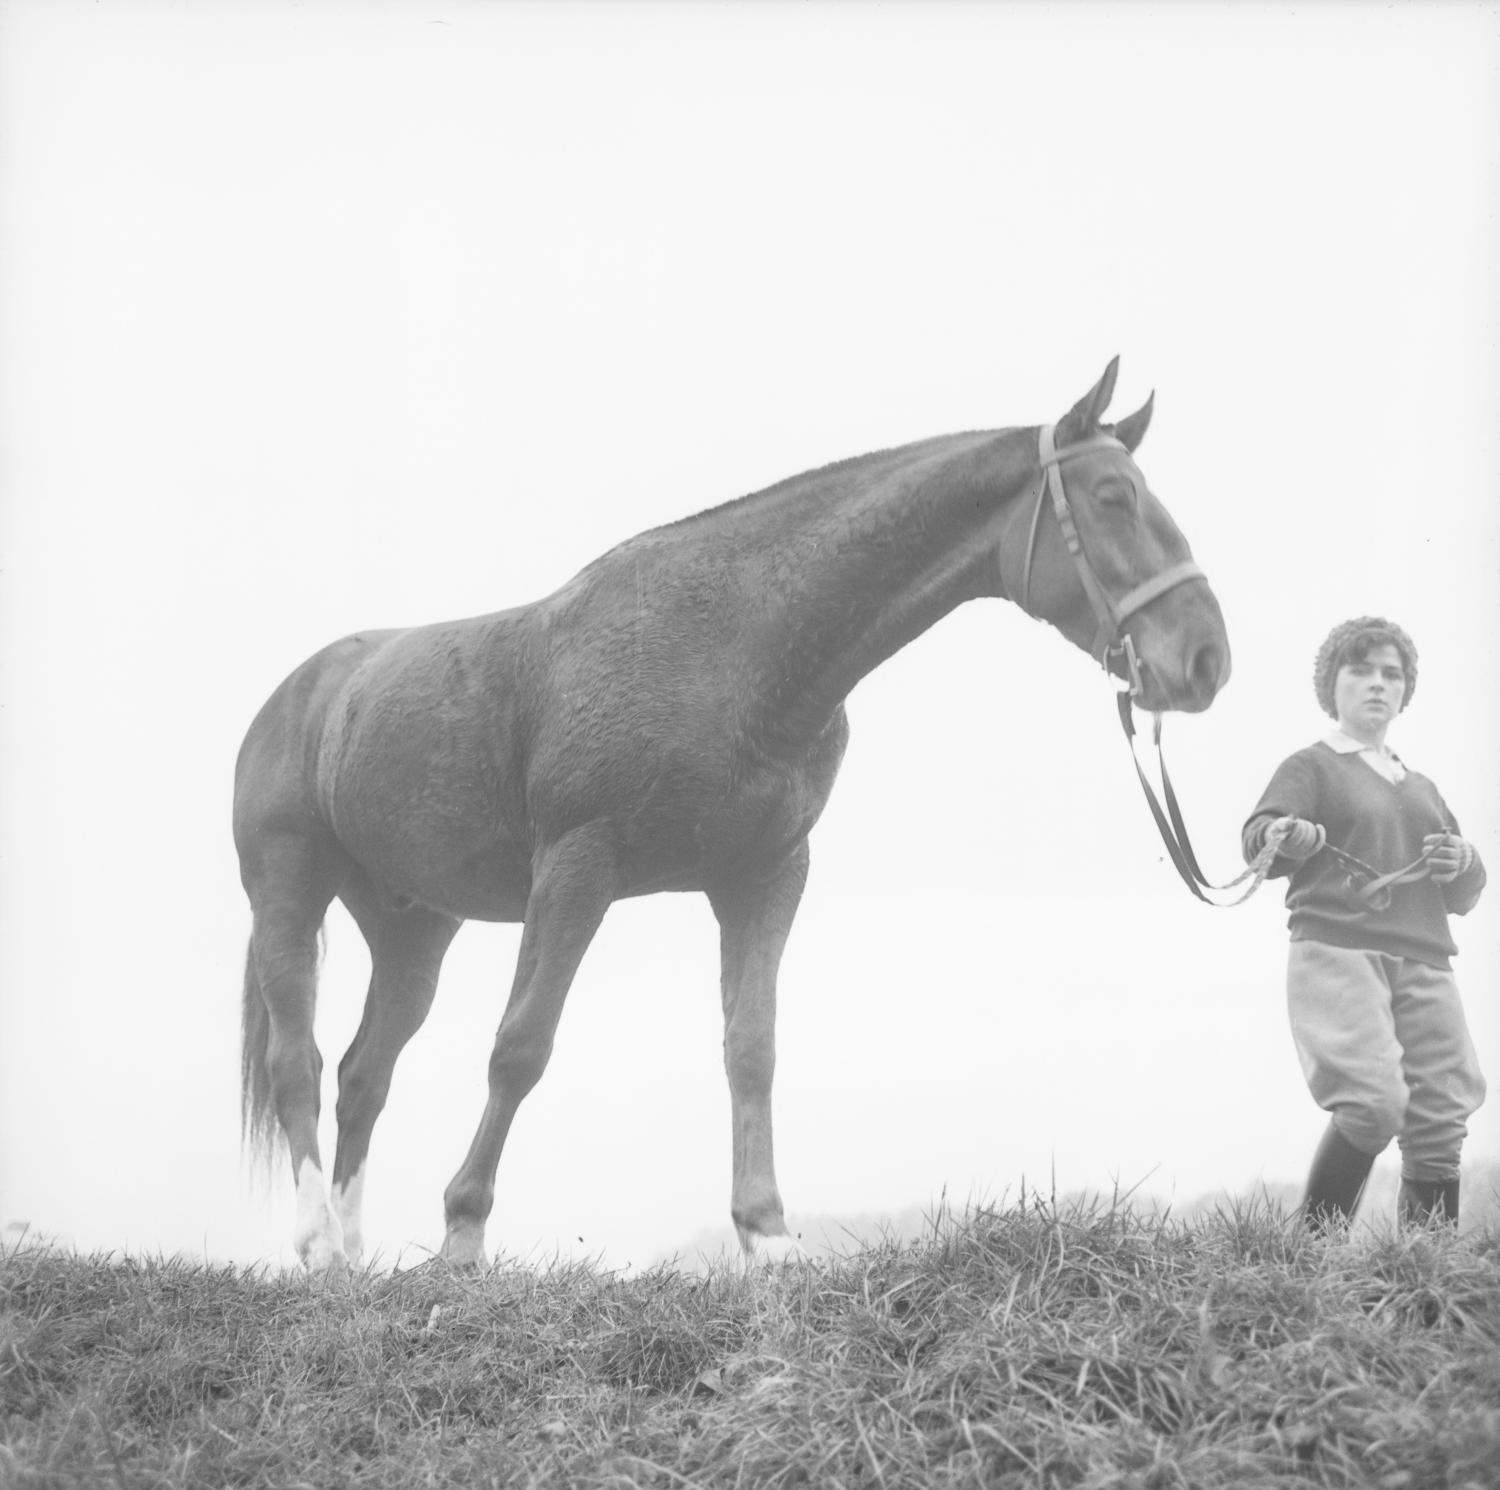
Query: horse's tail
point(258, 1126)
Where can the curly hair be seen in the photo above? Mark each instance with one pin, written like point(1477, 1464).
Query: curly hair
point(1352, 641)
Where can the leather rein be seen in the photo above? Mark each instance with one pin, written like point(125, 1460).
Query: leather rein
point(1109, 645)
point(1368, 884)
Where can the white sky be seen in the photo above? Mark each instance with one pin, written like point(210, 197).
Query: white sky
point(316, 317)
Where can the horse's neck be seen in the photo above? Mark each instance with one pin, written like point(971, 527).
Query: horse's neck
point(866, 559)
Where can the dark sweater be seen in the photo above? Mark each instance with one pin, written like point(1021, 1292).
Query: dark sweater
point(1379, 822)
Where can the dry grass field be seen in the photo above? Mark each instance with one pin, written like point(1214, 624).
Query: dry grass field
point(1070, 1345)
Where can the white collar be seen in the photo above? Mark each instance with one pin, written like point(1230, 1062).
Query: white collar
point(1382, 757)
point(1346, 744)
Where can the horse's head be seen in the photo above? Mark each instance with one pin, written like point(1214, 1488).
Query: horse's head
point(1103, 561)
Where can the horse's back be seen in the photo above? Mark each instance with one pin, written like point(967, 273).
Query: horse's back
point(439, 758)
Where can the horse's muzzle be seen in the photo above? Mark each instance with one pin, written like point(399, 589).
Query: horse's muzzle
point(1187, 683)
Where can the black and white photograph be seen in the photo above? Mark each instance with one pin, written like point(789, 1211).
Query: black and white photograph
point(749, 743)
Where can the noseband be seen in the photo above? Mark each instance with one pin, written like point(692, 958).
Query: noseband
point(1108, 644)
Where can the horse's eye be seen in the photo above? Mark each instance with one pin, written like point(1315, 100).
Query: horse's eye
point(1116, 493)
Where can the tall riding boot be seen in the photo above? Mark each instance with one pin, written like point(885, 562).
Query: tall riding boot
point(1335, 1182)
point(1421, 1200)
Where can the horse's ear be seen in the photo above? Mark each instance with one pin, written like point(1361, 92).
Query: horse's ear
point(1131, 430)
point(1083, 418)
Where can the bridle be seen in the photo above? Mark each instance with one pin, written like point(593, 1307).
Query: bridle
point(1110, 615)
point(1108, 645)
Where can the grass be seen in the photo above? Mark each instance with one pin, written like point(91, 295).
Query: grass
point(1041, 1345)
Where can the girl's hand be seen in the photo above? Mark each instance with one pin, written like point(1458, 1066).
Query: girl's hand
point(1298, 838)
point(1451, 857)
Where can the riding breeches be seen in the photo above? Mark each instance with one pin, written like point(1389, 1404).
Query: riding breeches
point(1385, 1049)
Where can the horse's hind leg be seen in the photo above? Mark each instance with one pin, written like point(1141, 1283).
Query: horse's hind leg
point(572, 886)
point(290, 890)
point(406, 955)
point(755, 917)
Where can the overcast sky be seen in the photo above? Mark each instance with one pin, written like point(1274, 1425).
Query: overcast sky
point(321, 316)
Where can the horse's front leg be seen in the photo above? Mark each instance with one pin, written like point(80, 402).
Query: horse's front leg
point(755, 916)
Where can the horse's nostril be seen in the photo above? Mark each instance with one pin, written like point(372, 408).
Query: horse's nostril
point(1207, 669)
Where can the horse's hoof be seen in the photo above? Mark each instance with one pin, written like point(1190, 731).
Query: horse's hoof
point(321, 1248)
point(325, 1263)
point(774, 1252)
point(463, 1247)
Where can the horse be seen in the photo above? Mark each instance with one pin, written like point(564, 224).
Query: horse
point(671, 719)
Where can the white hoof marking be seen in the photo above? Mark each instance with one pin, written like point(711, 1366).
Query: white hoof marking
point(348, 1207)
point(318, 1237)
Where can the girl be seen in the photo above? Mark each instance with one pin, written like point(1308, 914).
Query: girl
point(1376, 865)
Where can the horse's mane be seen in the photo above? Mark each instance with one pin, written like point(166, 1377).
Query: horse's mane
point(822, 475)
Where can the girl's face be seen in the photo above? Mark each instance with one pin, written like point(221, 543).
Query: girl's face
point(1367, 694)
